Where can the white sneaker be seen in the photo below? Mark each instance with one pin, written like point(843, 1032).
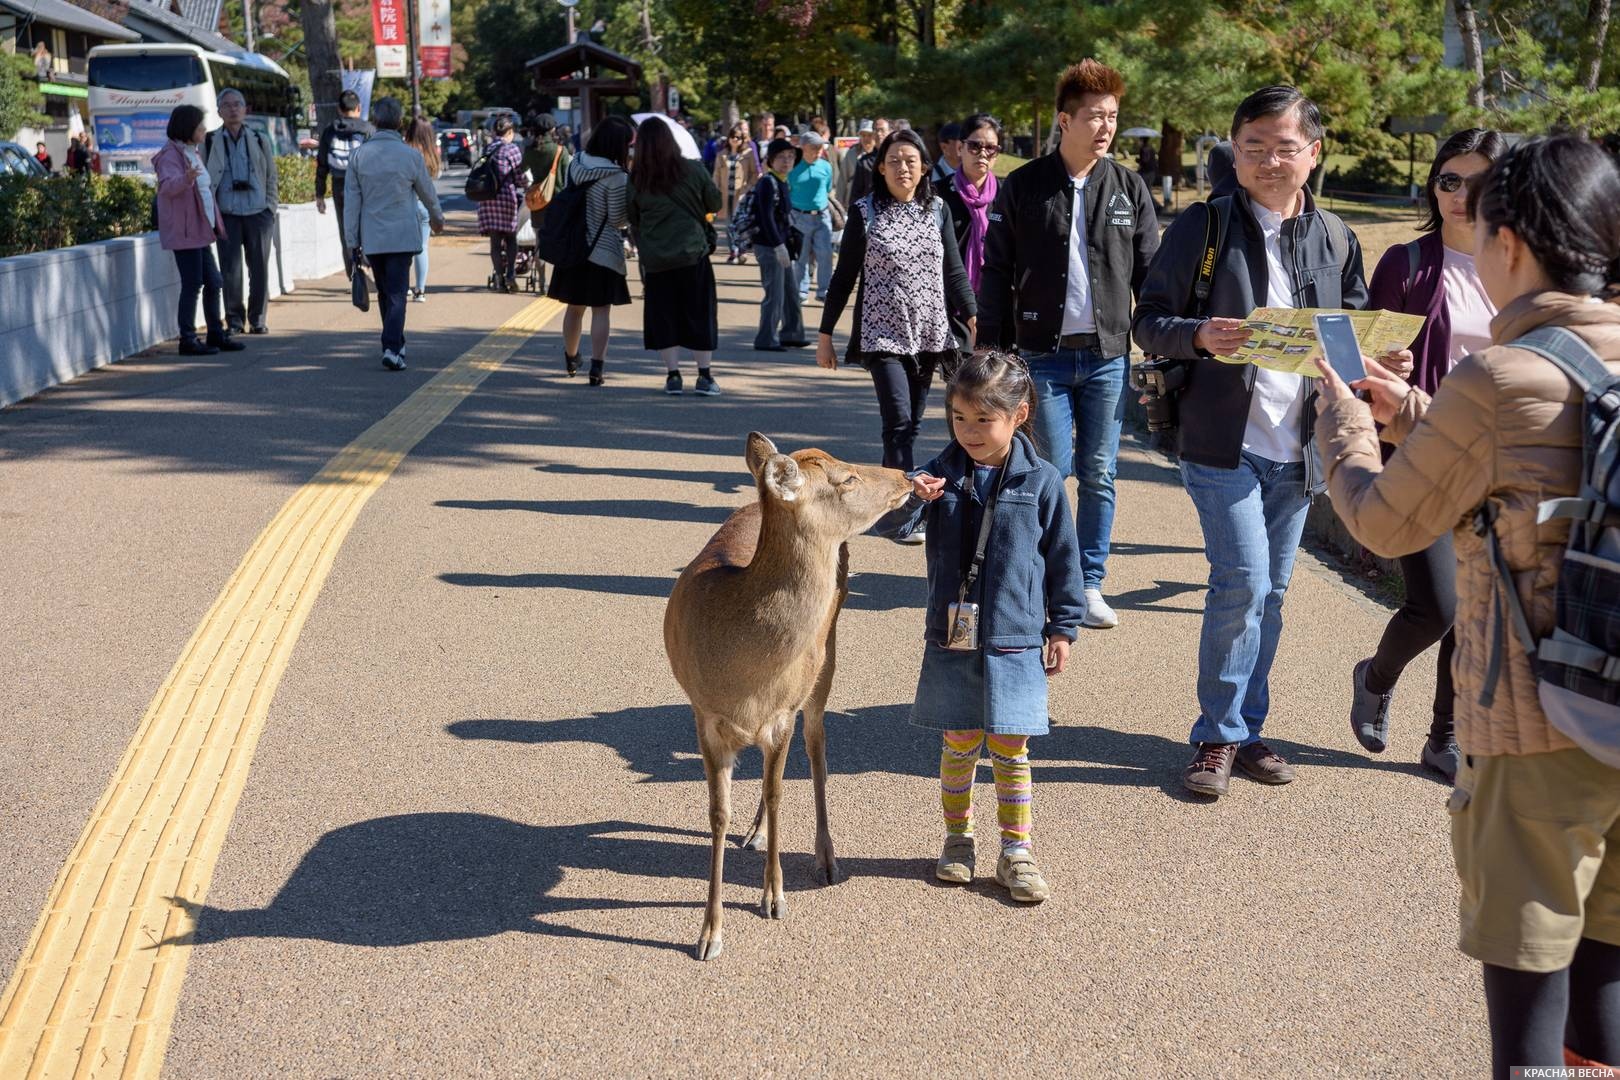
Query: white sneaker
point(918, 537)
point(1099, 616)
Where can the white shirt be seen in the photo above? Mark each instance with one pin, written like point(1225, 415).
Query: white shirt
point(1470, 309)
point(204, 188)
point(1274, 409)
point(1079, 316)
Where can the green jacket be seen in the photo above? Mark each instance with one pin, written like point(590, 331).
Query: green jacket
point(537, 161)
point(670, 229)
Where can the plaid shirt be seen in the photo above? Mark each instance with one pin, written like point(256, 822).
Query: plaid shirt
point(500, 214)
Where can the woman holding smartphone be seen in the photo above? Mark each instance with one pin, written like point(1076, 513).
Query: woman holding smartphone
point(1433, 276)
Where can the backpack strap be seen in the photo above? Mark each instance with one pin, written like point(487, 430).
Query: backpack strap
point(1571, 355)
point(1338, 237)
point(1413, 257)
point(1485, 526)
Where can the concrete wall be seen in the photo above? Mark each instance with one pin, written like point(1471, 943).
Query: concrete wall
point(66, 312)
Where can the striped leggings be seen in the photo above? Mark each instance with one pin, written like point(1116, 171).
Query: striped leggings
point(1009, 762)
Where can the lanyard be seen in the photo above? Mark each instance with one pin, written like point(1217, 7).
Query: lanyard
point(971, 573)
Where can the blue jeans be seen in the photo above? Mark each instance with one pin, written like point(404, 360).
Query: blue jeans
point(817, 230)
point(1079, 407)
point(391, 274)
point(780, 308)
point(420, 263)
point(1252, 517)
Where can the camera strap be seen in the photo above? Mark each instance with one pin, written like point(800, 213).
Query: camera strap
point(971, 573)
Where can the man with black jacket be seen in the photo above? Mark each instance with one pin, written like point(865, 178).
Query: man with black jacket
point(338, 141)
point(1068, 243)
point(1247, 459)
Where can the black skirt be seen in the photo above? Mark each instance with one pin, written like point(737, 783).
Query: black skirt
point(588, 285)
point(679, 309)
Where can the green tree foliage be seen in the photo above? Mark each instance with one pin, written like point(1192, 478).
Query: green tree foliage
point(21, 104)
point(60, 211)
point(1534, 58)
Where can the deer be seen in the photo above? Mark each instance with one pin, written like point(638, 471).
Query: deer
point(750, 631)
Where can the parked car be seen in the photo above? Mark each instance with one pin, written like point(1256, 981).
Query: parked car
point(456, 146)
point(14, 159)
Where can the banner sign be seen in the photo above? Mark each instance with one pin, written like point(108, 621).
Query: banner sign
point(141, 131)
point(433, 32)
point(388, 27)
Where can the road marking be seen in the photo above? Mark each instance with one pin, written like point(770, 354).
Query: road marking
point(95, 991)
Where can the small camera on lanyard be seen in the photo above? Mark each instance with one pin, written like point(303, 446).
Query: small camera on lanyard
point(962, 633)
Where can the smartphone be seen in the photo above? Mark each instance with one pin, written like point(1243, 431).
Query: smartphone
point(1339, 345)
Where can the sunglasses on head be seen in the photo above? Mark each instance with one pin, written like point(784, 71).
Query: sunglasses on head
point(974, 146)
point(1450, 181)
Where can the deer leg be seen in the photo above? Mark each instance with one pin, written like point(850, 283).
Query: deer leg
point(815, 745)
point(772, 902)
point(755, 840)
point(717, 768)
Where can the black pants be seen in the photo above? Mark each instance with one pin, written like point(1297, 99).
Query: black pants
point(246, 235)
point(343, 234)
point(1425, 618)
point(902, 391)
point(391, 273)
point(1534, 1015)
point(198, 271)
point(503, 253)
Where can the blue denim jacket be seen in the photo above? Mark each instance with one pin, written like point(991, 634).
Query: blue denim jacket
point(1030, 587)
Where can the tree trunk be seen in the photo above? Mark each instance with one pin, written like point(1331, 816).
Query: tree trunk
point(927, 35)
point(1597, 19)
point(1170, 152)
point(325, 69)
point(1473, 55)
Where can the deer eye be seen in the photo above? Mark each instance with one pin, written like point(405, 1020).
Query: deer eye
point(848, 481)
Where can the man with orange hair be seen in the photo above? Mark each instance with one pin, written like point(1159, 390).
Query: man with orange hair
point(1069, 240)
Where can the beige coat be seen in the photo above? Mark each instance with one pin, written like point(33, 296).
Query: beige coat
point(747, 177)
point(1505, 426)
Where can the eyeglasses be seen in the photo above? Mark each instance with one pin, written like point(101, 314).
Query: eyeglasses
point(1450, 181)
point(1259, 156)
point(984, 149)
point(902, 164)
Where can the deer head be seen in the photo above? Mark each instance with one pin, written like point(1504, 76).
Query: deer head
point(820, 493)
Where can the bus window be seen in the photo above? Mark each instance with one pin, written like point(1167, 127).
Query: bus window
point(142, 74)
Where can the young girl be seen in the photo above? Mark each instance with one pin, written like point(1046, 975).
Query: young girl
point(1028, 588)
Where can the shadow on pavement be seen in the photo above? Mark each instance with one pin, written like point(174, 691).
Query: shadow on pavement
point(867, 592)
point(725, 483)
point(413, 878)
point(639, 509)
point(1152, 599)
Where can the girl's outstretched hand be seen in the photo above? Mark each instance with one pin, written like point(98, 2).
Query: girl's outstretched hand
point(1057, 654)
point(927, 488)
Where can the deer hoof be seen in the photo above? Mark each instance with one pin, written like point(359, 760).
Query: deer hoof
point(755, 841)
point(830, 873)
point(773, 905)
point(709, 945)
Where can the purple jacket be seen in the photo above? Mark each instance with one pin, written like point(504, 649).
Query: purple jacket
point(1395, 287)
point(181, 224)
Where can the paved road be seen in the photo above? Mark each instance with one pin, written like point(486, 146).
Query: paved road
point(472, 840)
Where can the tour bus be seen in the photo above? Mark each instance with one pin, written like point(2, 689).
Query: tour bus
point(134, 88)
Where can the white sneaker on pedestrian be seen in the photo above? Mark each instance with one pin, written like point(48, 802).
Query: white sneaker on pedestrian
point(419, 296)
point(1099, 616)
point(918, 537)
point(393, 361)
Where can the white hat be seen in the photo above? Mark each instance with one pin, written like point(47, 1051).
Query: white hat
point(866, 125)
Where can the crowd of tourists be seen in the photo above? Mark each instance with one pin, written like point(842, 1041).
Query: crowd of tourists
point(1467, 456)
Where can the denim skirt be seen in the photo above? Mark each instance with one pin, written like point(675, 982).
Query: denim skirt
point(999, 691)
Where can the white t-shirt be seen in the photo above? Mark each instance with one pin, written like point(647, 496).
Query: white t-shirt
point(204, 188)
point(1470, 309)
point(1079, 316)
point(1274, 410)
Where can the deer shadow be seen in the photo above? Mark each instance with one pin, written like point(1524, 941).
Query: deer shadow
point(413, 878)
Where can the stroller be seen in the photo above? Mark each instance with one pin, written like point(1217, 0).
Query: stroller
point(530, 270)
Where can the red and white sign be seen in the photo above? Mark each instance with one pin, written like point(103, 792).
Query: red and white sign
point(388, 27)
point(433, 31)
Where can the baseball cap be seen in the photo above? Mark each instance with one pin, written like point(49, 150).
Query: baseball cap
point(866, 125)
point(811, 138)
point(778, 146)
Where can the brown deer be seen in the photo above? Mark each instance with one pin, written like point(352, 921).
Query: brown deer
point(750, 631)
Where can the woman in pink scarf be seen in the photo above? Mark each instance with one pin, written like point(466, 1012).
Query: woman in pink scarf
point(970, 192)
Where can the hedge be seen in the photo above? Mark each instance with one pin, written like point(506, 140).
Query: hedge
point(44, 213)
point(296, 176)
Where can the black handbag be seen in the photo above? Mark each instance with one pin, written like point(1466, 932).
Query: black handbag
point(359, 290)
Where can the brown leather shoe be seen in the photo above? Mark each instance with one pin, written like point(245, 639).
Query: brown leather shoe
point(1210, 769)
point(1264, 764)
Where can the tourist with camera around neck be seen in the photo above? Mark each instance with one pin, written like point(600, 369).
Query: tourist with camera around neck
point(242, 169)
point(1068, 244)
point(1244, 435)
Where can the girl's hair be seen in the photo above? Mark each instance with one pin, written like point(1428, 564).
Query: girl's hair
point(183, 122)
point(997, 382)
point(1561, 196)
point(925, 186)
point(658, 166)
point(981, 120)
point(502, 125)
point(1486, 143)
point(420, 135)
point(739, 129)
point(611, 140)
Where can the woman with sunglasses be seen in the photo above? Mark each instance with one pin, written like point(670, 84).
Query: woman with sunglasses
point(1433, 276)
point(969, 193)
point(736, 171)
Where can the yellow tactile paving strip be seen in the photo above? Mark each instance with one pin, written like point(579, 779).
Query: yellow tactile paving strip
point(95, 991)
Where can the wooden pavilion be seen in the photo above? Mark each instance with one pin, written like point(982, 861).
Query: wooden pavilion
point(588, 72)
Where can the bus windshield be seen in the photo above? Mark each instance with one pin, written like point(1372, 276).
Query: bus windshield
point(159, 71)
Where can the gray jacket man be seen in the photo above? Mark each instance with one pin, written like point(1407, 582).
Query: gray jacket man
point(242, 167)
point(385, 180)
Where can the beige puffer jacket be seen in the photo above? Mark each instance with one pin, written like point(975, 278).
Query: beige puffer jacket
point(1505, 426)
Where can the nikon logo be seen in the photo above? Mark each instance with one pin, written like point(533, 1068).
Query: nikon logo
point(1208, 265)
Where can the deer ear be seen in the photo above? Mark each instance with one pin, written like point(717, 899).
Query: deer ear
point(782, 478)
point(760, 450)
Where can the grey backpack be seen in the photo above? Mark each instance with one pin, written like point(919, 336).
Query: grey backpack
point(1577, 666)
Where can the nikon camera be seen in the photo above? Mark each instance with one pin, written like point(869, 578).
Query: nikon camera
point(1159, 379)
